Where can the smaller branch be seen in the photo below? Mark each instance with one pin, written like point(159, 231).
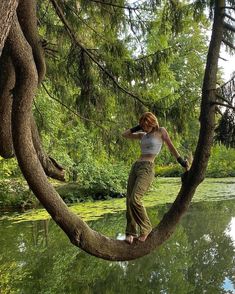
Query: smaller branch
point(228, 7)
point(220, 57)
point(119, 6)
point(222, 98)
point(154, 53)
point(36, 107)
point(229, 16)
point(229, 81)
point(229, 44)
point(71, 110)
point(222, 104)
point(229, 27)
point(83, 21)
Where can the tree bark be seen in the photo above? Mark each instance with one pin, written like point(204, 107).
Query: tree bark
point(7, 10)
point(76, 229)
point(27, 17)
point(7, 83)
point(27, 14)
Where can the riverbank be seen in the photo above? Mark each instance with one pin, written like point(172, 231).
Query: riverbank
point(16, 196)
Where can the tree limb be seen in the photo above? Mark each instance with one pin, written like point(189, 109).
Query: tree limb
point(229, 16)
point(222, 98)
point(119, 6)
point(229, 44)
point(71, 110)
point(227, 7)
point(229, 27)
point(222, 104)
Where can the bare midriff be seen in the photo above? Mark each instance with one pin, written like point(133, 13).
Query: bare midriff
point(147, 157)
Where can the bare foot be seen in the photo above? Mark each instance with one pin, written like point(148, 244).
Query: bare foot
point(129, 239)
point(142, 238)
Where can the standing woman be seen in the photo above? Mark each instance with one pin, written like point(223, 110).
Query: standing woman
point(151, 138)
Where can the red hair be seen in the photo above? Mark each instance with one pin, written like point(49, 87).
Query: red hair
point(148, 119)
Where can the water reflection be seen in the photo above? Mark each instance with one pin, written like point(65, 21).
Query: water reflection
point(36, 257)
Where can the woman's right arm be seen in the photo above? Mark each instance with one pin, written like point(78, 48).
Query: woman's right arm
point(133, 133)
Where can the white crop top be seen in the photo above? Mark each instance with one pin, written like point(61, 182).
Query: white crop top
point(150, 144)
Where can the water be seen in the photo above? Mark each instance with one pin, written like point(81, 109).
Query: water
point(36, 257)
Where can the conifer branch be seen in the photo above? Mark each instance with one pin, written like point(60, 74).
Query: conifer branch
point(222, 104)
point(119, 6)
point(228, 7)
point(229, 81)
point(229, 16)
point(229, 44)
point(78, 43)
point(69, 109)
point(222, 98)
point(222, 58)
point(229, 27)
point(85, 23)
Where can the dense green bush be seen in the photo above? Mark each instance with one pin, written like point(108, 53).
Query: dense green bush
point(102, 180)
point(173, 170)
point(222, 162)
point(15, 193)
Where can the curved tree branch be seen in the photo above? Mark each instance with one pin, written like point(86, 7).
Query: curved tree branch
point(76, 229)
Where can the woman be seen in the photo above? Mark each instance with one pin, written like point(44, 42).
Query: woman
point(151, 138)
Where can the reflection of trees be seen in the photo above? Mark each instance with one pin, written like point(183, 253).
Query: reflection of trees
point(212, 251)
point(40, 232)
point(195, 260)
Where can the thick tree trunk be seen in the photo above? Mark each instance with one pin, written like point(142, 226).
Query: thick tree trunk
point(77, 230)
point(7, 10)
point(7, 84)
point(27, 14)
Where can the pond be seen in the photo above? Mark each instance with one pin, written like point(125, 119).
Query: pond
point(36, 256)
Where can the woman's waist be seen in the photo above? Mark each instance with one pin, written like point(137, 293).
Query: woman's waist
point(147, 157)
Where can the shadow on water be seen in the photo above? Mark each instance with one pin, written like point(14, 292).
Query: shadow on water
point(36, 257)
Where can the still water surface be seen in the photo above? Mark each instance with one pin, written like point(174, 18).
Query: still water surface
point(36, 257)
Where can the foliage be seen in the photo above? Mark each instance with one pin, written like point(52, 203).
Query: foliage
point(222, 162)
point(16, 194)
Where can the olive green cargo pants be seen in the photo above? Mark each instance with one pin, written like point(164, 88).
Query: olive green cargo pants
point(140, 178)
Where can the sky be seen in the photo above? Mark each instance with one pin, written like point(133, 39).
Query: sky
point(228, 66)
